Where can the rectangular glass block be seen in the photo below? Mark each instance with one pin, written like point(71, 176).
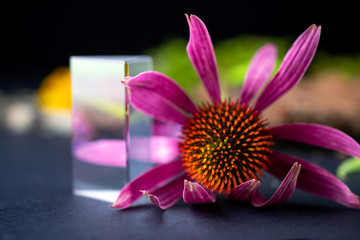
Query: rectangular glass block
point(106, 131)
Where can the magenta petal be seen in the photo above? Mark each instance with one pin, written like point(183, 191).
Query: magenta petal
point(105, 152)
point(260, 69)
point(318, 135)
point(195, 193)
point(244, 191)
point(284, 191)
point(292, 68)
point(315, 180)
point(160, 97)
point(167, 195)
point(148, 181)
point(202, 56)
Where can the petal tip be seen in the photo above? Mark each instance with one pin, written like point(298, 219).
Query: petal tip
point(315, 28)
point(188, 18)
point(194, 193)
point(189, 185)
point(145, 193)
point(155, 200)
point(244, 191)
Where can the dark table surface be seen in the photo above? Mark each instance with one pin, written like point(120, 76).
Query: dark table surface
point(36, 203)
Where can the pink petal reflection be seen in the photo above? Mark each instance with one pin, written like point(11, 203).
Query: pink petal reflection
point(111, 152)
point(105, 152)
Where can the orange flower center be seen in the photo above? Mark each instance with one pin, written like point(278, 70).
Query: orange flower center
point(224, 145)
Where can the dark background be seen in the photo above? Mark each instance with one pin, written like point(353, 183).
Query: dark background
point(37, 37)
point(35, 171)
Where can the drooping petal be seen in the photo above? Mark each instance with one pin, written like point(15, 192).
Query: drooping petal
point(195, 193)
point(260, 69)
point(160, 97)
point(315, 180)
point(318, 135)
point(292, 68)
point(167, 195)
point(202, 56)
point(149, 181)
point(104, 152)
point(244, 191)
point(284, 191)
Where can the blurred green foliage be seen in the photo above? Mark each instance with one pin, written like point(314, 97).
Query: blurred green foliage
point(348, 167)
point(349, 64)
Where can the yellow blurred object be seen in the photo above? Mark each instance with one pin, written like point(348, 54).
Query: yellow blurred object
point(54, 93)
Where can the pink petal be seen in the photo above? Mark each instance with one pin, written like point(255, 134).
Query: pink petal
point(160, 97)
point(202, 56)
point(105, 152)
point(318, 135)
point(195, 193)
point(292, 68)
point(149, 181)
point(284, 191)
point(244, 191)
point(260, 69)
point(167, 195)
point(315, 180)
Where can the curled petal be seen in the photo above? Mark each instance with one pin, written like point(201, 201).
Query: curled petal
point(167, 195)
point(293, 67)
point(318, 135)
point(315, 180)
point(149, 181)
point(284, 191)
point(160, 97)
point(195, 193)
point(260, 69)
point(244, 191)
point(202, 56)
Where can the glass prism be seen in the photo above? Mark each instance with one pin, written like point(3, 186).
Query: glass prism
point(106, 128)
